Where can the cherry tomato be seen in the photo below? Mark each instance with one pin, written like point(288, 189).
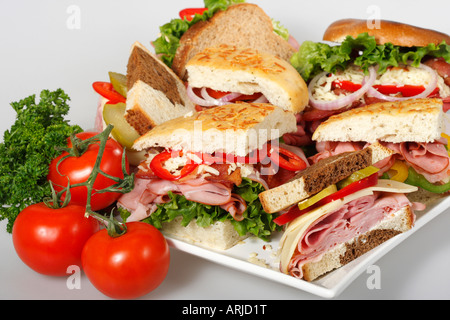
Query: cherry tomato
point(78, 169)
point(128, 266)
point(50, 240)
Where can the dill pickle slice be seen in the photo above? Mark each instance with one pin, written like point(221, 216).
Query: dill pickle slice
point(317, 197)
point(119, 83)
point(358, 175)
point(122, 132)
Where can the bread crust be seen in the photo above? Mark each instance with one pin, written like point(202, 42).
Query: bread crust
point(248, 71)
point(237, 128)
point(397, 33)
point(386, 121)
point(247, 25)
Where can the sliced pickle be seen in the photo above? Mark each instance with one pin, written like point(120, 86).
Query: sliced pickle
point(358, 175)
point(119, 82)
point(123, 132)
point(317, 197)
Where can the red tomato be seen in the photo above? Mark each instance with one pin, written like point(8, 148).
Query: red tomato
point(50, 240)
point(78, 169)
point(128, 266)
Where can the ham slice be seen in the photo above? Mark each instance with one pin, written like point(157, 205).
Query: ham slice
point(351, 220)
point(429, 159)
point(147, 193)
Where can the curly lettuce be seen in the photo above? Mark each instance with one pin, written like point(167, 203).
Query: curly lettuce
point(314, 57)
point(256, 221)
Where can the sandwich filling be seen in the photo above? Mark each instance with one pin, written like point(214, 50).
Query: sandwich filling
point(310, 235)
point(210, 187)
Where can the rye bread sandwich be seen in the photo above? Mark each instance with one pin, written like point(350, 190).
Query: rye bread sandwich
point(221, 22)
point(414, 130)
point(225, 73)
point(203, 172)
point(358, 64)
point(155, 93)
point(347, 211)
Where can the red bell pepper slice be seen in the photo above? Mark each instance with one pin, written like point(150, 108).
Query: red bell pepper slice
point(106, 90)
point(156, 165)
point(406, 90)
point(295, 212)
point(189, 13)
point(292, 163)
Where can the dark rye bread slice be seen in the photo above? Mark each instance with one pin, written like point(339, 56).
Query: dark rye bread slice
point(155, 93)
point(243, 25)
point(320, 175)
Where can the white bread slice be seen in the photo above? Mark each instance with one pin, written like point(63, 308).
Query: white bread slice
point(341, 254)
point(320, 175)
point(155, 93)
point(237, 129)
point(419, 120)
point(218, 236)
point(248, 71)
point(243, 25)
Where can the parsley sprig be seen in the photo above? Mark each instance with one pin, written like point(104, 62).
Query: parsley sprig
point(28, 148)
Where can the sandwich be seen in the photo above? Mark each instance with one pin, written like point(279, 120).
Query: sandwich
point(223, 74)
point(155, 93)
point(149, 94)
point(203, 172)
point(346, 212)
point(412, 129)
point(361, 65)
point(231, 22)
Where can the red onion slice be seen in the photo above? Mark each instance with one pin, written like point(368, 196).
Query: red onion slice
point(198, 100)
point(429, 89)
point(344, 101)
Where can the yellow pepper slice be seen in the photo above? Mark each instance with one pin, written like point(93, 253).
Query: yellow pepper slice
point(319, 196)
point(446, 136)
point(357, 175)
point(399, 171)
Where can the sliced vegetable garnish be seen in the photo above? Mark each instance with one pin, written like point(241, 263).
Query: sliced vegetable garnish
point(358, 175)
point(295, 212)
point(157, 166)
point(398, 171)
point(189, 13)
point(418, 180)
point(292, 163)
point(106, 90)
point(317, 197)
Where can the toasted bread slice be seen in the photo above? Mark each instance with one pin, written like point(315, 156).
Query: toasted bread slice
point(319, 176)
point(236, 129)
point(243, 25)
point(419, 120)
point(248, 71)
point(155, 93)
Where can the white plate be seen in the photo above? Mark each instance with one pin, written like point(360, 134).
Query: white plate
point(265, 264)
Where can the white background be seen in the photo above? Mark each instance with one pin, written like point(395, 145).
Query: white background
point(39, 51)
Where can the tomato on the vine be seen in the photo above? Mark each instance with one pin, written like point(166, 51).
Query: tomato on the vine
point(127, 266)
point(50, 240)
point(77, 169)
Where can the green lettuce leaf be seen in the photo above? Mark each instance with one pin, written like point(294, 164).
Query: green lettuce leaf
point(314, 57)
point(256, 221)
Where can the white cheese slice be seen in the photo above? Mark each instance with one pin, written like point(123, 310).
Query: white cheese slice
point(298, 227)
